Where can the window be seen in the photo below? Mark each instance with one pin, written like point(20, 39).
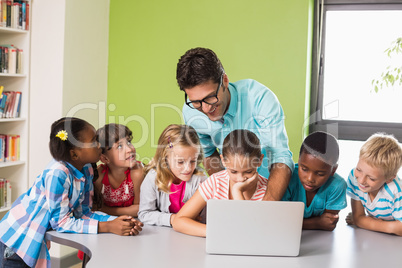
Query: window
point(357, 68)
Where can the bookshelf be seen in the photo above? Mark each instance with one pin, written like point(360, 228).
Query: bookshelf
point(17, 171)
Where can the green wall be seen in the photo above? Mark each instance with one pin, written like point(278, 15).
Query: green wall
point(266, 40)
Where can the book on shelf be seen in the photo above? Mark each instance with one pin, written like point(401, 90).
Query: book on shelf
point(10, 104)
point(27, 15)
point(5, 193)
point(11, 59)
point(8, 10)
point(9, 148)
point(4, 59)
point(14, 14)
point(24, 15)
point(19, 69)
point(2, 187)
point(3, 101)
point(3, 13)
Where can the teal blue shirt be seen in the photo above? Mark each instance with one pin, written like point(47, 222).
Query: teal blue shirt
point(254, 107)
point(330, 196)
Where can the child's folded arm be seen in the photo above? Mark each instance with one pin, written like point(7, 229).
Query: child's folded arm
point(62, 218)
point(364, 221)
point(148, 211)
point(185, 220)
point(154, 217)
point(131, 210)
point(326, 221)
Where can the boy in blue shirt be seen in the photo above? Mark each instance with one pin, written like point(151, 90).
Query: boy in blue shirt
point(315, 182)
point(375, 188)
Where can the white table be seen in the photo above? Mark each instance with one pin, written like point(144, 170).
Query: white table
point(345, 247)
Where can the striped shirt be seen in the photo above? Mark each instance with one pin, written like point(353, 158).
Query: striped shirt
point(60, 199)
point(217, 187)
point(387, 205)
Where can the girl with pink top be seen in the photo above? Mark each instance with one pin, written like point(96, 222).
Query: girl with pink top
point(120, 175)
point(118, 180)
point(241, 156)
point(172, 176)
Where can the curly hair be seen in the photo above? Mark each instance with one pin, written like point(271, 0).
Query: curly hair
point(72, 126)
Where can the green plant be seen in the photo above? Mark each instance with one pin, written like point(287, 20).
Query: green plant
point(391, 75)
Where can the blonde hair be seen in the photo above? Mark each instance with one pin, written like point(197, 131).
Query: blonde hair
point(382, 151)
point(173, 135)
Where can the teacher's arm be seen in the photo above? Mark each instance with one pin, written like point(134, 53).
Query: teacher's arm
point(213, 163)
point(278, 181)
point(270, 121)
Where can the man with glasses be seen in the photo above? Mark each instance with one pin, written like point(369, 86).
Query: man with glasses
point(214, 107)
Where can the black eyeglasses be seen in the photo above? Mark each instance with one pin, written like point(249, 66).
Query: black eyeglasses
point(208, 100)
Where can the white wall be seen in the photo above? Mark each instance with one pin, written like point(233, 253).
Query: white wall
point(86, 42)
point(69, 57)
point(46, 85)
point(349, 156)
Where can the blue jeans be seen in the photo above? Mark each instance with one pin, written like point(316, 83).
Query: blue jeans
point(9, 259)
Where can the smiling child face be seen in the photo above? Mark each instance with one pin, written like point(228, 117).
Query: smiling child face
point(370, 179)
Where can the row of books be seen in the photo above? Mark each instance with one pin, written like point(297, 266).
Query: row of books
point(9, 148)
point(10, 103)
point(14, 14)
point(5, 193)
point(11, 59)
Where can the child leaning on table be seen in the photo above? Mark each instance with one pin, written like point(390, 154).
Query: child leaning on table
point(173, 175)
point(315, 182)
point(375, 188)
point(117, 186)
point(60, 199)
point(120, 175)
point(241, 156)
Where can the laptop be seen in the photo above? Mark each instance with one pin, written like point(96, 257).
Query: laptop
point(244, 227)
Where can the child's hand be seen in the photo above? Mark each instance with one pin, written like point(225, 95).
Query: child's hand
point(328, 221)
point(242, 186)
point(137, 226)
point(124, 225)
point(349, 219)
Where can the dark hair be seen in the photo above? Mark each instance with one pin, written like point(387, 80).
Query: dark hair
point(241, 142)
point(112, 133)
point(59, 148)
point(197, 66)
point(323, 145)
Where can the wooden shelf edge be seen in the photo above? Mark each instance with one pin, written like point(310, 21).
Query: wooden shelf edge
point(13, 30)
point(12, 75)
point(11, 163)
point(15, 119)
